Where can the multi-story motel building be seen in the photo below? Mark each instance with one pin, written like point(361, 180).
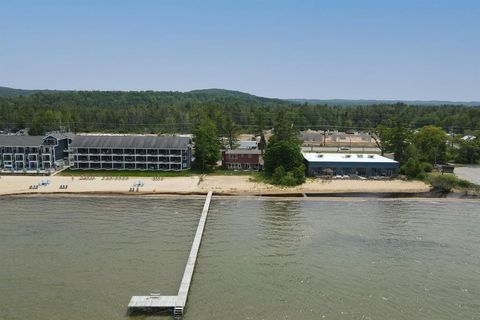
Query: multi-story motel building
point(365, 165)
point(103, 152)
point(33, 153)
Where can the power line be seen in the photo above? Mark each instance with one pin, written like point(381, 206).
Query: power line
point(110, 125)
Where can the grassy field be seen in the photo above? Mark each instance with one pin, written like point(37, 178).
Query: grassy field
point(128, 173)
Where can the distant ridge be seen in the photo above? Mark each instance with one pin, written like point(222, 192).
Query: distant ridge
point(224, 93)
point(363, 102)
point(11, 92)
point(235, 94)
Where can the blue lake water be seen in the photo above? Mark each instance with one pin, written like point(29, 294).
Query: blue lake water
point(84, 257)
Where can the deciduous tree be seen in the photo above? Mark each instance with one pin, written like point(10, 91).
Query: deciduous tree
point(206, 143)
point(283, 158)
point(431, 144)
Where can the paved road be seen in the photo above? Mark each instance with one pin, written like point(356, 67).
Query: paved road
point(470, 173)
point(335, 149)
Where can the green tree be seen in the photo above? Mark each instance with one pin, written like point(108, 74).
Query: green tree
point(231, 130)
point(283, 128)
point(399, 139)
point(262, 144)
point(207, 145)
point(396, 140)
point(380, 136)
point(411, 168)
point(431, 144)
point(468, 151)
point(283, 153)
point(259, 121)
point(283, 159)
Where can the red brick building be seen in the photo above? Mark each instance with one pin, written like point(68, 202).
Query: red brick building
point(242, 159)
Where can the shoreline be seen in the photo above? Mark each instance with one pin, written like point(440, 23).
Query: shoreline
point(201, 185)
point(277, 197)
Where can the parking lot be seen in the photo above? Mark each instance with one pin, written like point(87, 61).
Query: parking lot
point(470, 173)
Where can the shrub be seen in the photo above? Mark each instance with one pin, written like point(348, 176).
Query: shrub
point(427, 167)
point(422, 176)
point(446, 182)
point(411, 168)
point(299, 174)
point(289, 179)
point(278, 175)
point(465, 184)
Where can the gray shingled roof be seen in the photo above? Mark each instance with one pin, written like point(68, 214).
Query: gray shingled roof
point(61, 136)
point(243, 151)
point(138, 142)
point(21, 141)
point(247, 144)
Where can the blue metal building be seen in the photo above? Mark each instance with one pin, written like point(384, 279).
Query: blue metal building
point(365, 165)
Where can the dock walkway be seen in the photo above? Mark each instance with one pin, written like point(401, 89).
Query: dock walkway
point(176, 303)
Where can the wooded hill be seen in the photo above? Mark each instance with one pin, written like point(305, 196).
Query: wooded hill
point(153, 111)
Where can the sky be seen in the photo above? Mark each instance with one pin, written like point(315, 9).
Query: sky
point(350, 49)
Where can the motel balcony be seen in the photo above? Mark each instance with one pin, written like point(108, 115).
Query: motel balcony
point(140, 151)
point(94, 151)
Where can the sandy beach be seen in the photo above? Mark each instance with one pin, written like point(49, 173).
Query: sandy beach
point(228, 185)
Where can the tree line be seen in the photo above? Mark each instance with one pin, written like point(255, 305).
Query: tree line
point(174, 112)
point(416, 135)
point(418, 151)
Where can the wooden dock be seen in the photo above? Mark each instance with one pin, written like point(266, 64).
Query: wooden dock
point(176, 303)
